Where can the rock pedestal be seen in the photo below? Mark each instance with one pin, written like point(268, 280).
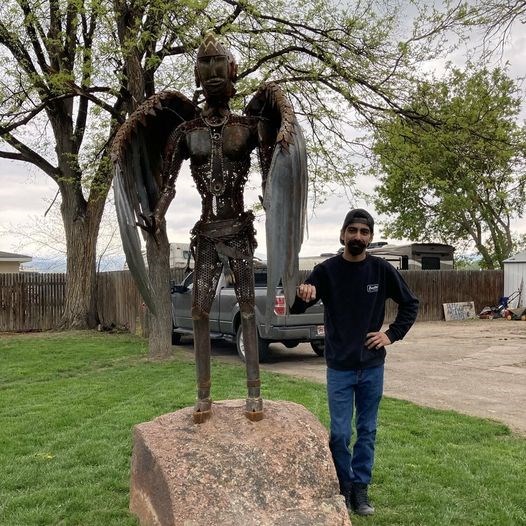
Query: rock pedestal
point(230, 471)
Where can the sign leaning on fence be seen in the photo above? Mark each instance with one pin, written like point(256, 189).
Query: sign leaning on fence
point(463, 310)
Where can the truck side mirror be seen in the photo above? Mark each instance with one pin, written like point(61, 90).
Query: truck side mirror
point(179, 289)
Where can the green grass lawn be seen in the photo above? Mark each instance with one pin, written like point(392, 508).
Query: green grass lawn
point(68, 402)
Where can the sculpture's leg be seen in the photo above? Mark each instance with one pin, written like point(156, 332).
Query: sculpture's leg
point(244, 286)
point(254, 403)
point(201, 325)
point(206, 275)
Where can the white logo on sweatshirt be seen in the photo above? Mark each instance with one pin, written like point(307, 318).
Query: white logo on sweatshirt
point(372, 288)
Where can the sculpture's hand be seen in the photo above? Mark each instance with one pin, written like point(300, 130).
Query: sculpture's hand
point(150, 224)
point(146, 223)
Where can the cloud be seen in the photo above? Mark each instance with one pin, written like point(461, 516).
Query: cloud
point(23, 194)
point(24, 191)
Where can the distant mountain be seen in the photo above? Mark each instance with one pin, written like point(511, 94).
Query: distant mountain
point(45, 265)
point(111, 263)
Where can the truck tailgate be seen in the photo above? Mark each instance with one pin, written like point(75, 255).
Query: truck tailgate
point(307, 318)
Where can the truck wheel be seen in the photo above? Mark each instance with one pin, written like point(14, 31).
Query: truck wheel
point(262, 346)
point(290, 344)
point(176, 338)
point(318, 346)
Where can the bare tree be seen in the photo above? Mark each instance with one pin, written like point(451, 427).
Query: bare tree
point(45, 235)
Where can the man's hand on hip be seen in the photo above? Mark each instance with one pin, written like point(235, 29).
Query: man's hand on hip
point(377, 340)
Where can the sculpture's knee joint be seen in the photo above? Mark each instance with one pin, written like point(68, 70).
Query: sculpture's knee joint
point(248, 315)
point(199, 314)
point(246, 308)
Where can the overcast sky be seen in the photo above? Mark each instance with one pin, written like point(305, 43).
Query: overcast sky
point(25, 192)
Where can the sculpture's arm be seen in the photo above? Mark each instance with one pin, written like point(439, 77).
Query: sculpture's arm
point(285, 186)
point(142, 190)
point(266, 145)
point(173, 157)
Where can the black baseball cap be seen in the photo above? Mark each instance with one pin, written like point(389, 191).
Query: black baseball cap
point(358, 215)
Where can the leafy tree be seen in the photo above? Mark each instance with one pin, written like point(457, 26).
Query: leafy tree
point(495, 17)
point(71, 70)
point(463, 179)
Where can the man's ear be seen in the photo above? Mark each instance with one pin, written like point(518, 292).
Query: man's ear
point(342, 242)
point(371, 240)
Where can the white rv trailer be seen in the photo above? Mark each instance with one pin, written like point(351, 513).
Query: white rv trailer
point(416, 256)
point(413, 256)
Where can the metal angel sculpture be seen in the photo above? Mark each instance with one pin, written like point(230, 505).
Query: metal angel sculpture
point(148, 152)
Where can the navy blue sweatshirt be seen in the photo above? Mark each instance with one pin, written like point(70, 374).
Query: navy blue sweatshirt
point(354, 295)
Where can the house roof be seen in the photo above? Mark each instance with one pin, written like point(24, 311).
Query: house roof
point(9, 256)
point(520, 257)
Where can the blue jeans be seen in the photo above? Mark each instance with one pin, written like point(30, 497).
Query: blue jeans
point(360, 388)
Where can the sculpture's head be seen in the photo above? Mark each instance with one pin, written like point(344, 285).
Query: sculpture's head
point(215, 70)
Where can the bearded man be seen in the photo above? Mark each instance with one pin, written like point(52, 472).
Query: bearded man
point(354, 286)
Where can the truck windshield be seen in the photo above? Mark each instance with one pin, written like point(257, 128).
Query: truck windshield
point(260, 280)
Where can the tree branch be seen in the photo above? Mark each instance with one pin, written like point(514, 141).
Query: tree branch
point(87, 63)
point(21, 56)
point(32, 28)
point(28, 155)
point(69, 48)
point(79, 92)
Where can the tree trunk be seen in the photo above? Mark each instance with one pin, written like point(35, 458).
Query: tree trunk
point(158, 254)
point(486, 256)
point(81, 225)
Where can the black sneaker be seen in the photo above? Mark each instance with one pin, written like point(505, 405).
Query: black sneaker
point(359, 500)
point(347, 495)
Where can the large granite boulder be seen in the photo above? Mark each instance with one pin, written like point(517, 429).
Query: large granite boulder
point(231, 471)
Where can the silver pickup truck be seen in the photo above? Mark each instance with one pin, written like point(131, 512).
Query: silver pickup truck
point(225, 322)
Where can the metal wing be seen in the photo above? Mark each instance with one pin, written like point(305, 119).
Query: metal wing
point(285, 194)
point(137, 154)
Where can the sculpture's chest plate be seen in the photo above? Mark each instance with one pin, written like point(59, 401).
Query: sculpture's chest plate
point(235, 142)
point(220, 163)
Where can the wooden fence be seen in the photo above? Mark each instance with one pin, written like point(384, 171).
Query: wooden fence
point(119, 302)
point(435, 287)
point(33, 302)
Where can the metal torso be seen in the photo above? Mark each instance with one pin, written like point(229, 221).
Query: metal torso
point(219, 153)
point(219, 149)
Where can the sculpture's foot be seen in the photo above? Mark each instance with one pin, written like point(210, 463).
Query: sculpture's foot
point(254, 409)
point(202, 411)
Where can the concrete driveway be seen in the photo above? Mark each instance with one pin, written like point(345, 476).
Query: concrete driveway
point(476, 367)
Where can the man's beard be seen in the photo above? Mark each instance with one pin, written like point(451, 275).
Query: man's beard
point(356, 247)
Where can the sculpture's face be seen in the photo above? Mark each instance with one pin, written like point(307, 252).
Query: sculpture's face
point(215, 71)
point(213, 75)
